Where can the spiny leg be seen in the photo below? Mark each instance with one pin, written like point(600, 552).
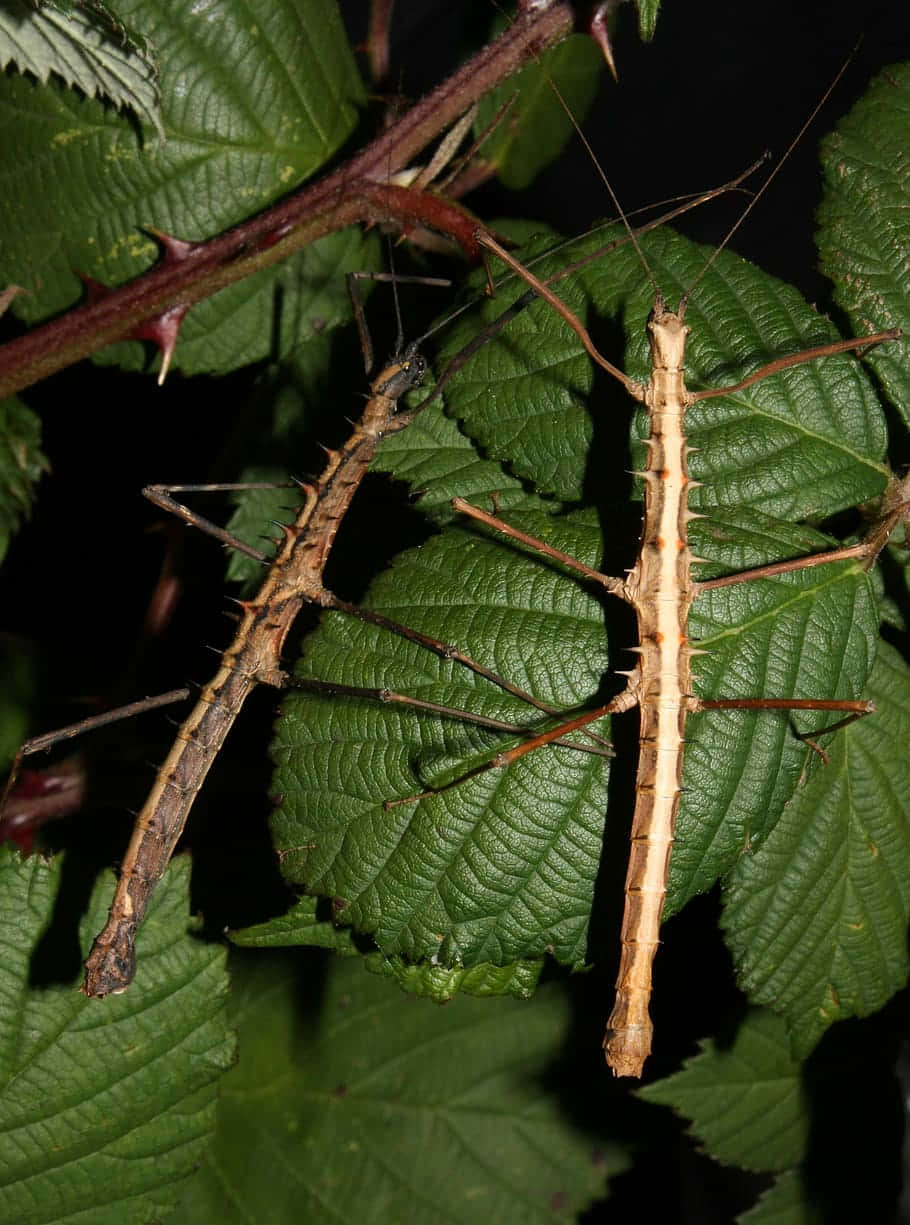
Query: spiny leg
point(160, 496)
point(46, 741)
point(333, 689)
point(625, 700)
point(445, 651)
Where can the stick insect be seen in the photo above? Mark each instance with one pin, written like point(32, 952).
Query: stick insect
point(293, 579)
point(475, 891)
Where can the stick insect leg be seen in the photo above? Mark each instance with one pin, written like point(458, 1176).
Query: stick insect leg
point(865, 550)
point(855, 710)
point(800, 359)
point(446, 651)
point(39, 744)
point(160, 495)
point(331, 689)
point(622, 701)
point(634, 389)
point(615, 586)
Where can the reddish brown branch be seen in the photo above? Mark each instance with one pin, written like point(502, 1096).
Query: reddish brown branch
point(352, 193)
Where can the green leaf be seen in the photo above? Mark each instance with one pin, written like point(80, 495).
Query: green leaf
point(440, 463)
point(303, 925)
point(744, 1100)
point(255, 97)
point(535, 128)
point(522, 398)
point(808, 634)
point(496, 870)
point(786, 1202)
point(864, 231)
point(106, 1108)
point(21, 466)
point(392, 1110)
point(817, 918)
point(443, 983)
point(88, 49)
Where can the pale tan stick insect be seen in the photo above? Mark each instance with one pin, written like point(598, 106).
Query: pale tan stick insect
point(508, 859)
point(661, 589)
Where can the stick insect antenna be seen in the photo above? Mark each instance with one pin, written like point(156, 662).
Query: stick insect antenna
point(769, 180)
point(399, 326)
point(607, 184)
point(682, 204)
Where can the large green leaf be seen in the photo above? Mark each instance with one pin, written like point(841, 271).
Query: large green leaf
point(864, 221)
point(255, 97)
point(391, 1110)
point(497, 869)
point(817, 917)
point(763, 1124)
point(106, 1107)
point(810, 634)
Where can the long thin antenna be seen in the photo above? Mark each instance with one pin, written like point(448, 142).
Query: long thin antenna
point(606, 182)
point(771, 177)
point(601, 37)
point(530, 295)
point(399, 327)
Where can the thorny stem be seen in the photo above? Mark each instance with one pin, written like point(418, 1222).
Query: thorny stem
point(357, 191)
